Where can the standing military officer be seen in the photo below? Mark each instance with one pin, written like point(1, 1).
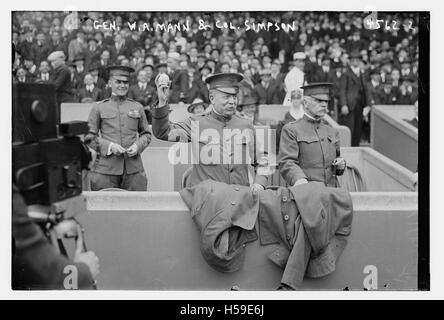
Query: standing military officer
point(124, 134)
point(309, 147)
point(212, 135)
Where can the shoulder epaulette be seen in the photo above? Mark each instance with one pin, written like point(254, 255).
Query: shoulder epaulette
point(104, 100)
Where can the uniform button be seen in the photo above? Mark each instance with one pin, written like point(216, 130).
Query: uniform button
point(286, 217)
point(288, 238)
point(233, 203)
point(237, 189)
point(284, 199)
point(322, 139)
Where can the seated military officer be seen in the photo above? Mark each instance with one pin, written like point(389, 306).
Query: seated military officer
point(222, 141)
point(309, 147)
point(124, 134)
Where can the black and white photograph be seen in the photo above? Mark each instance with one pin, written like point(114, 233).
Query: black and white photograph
point(219, 151)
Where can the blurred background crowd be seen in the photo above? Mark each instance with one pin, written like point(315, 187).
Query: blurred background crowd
point(323, 47)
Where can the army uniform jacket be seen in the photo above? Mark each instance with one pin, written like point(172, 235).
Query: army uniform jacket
point(122, 122)
point(306, 150)
point(210, 138)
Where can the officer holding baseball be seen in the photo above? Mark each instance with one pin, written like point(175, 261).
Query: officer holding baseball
point(216, 135)
point(118, 132)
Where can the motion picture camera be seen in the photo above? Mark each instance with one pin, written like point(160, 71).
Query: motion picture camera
point(47, 156)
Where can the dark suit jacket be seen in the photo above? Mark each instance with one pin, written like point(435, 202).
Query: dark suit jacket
point(144, 96)
point(373, 94)
point(41, 52)
point(61, 77)
point(352, 90)
point(179, 86)
point(95, 95)
point(270, 95)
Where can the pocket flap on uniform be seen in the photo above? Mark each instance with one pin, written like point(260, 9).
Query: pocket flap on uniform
point(134, 114)
point(108, 115)
point(308, 139)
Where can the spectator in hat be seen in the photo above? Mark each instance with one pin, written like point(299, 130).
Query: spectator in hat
point(179, 79)
point(352, 98)
point(119, 48)
point(374, 88)
point(295, 112)
point(246, 87)
point(92, 54)
point(149, 69)
point(21, 76)
point(295, 78)
point(194, 86)
point(279, 78)
point(198, 106)
point(388, 94)
point(118, 132)
point(244, 65)
point(43, 75)
point(223, 96)
point(41, 48)
point(99, 82)
point(406, 67)
point(105, 62)
point(267, 91)
point(408, 91)
point(249, 109)
point(61, 77)
point(31, 68)
point(142, 91)
point(356, 43)
point(79, 71)
point(201, 59)
point(89, 93)
point(56, 44)
point(396, 78)
point(309, 148)
point(77, 47)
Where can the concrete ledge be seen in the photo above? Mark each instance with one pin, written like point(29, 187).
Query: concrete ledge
point(172, 202)
point(397, 115)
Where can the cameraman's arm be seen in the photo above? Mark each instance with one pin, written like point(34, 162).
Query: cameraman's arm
point(92, 139)
point(36, 263)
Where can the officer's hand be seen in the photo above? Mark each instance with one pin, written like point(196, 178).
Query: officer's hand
point(89, 258)
point(300, 181)
point(366, 111)
point(163, 83)
point(117, 149)
point(132, 151)
point(257, 187)
point(344, 110)
point(340, 165)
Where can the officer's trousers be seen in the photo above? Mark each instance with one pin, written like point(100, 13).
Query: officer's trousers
point(131, 182)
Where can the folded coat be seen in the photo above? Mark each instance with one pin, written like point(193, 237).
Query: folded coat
point(225, 215)
point(306, 223)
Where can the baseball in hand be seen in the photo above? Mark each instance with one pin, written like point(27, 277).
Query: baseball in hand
point(163, 80)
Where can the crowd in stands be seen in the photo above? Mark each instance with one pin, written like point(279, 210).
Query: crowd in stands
point(321, 46)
